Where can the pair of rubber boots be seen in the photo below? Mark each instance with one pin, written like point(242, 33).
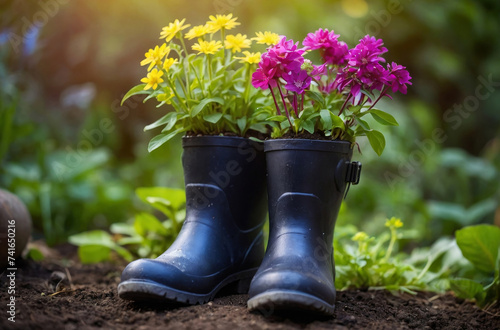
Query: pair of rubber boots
point(221, 242)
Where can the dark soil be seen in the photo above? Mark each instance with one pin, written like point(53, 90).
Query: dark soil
point(89, 300)
point(249, 134)
point(306, 135)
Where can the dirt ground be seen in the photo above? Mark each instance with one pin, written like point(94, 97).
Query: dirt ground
point(89, 300)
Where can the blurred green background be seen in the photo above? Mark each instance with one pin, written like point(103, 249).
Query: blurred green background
point(75, 156)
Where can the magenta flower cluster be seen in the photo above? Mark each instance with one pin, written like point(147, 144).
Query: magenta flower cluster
point(332, 51)
point(355, 73)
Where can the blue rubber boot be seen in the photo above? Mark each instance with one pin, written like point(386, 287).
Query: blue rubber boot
point(306, 184)
point(220, 243)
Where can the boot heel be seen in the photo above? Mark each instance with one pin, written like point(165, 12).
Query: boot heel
point(242, 286)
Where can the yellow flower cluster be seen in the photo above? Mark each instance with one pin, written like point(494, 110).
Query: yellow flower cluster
point(394, 223)
point(154, 56)
point(158, 59)
point(206, 47)
point(219, 22)
point(171, 30)
point(360, 236)
point(249, 57)
point(267, 38)
point(153, 79)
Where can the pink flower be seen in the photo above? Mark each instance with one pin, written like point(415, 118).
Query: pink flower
point(265, 75)
point(367, 51)
point(337, 54)
point(373, 76)
point(298, 81)
point(286, 55)
point(398, 78)
point(318, 70)
point(320, 39)
point(332, 51)
point(363, 70)
point(277, 62)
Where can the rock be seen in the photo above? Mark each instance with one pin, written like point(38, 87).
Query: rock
point(15, 224)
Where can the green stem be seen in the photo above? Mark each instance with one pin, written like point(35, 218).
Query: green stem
point(382, 93)
point(209, 58)
point(284, 105)
point(345, 103)
point(176, 94)
point(275, 102)
point(246, 94)
point(391, 244)
point(197, 78)
point(186, 72)
point(389, 249)
point(222, 34)
point(426, 268)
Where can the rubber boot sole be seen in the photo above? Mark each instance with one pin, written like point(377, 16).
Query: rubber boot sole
point(144, 290)
point(282, 300)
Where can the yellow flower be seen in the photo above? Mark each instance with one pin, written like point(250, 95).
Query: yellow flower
point(153, 79)
point(164, 97)
point(249, 57)
point(169, 32)
point(237, 42)
point(206, 47)
point(267, 38)
point(154, 56)
point(360, 236)
point(394, 222)
point(222, 22)
point(199, 31)
point(168, 63)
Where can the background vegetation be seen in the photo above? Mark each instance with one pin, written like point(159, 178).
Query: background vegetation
point(75, 156)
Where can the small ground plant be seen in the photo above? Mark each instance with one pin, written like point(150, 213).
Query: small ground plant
point(145, 237)
point(481, 246)
point(367, 262)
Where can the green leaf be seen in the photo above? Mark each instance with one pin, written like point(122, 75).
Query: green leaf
point(122, 229)
point(145, 223)
point(165, 120)
point(199, 107)
point(93, 237)
point(315, 96)
point(377, 141)
point(35, 254)
point(123, 253)
point(355, 108)
point(91, 254)
point(326, 118)
point(363, 124)
point(242, 123)
point(308, 125)
point(139, 89)
point(337, 121)
point(480, 244)
point(130, 240)
point(162, 198)
point(279, 118)
point(160, 139)
point(213, 118)
point(383, 117)
point(170, 125)
point(95, 246)
point(468, 289)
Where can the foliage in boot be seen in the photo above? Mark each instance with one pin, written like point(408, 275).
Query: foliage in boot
point(208, 85)
point(332, 98)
